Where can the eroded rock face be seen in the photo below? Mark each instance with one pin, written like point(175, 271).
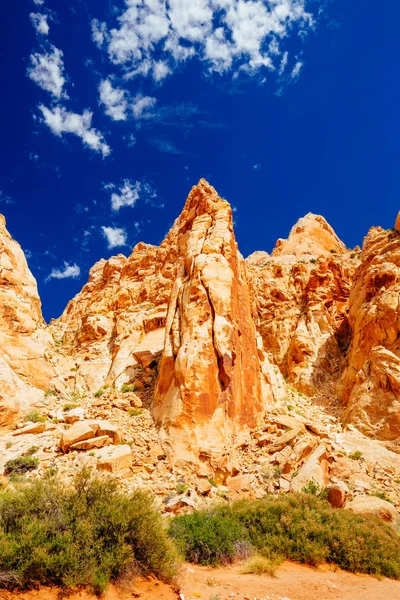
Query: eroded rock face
point(300, 303)
point(209, 383)
point(370, 386)
point(24, 368)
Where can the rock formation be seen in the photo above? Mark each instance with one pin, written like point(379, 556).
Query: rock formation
point(24, 367)
point(209, 383)
point(212, 366)
point(371, 382)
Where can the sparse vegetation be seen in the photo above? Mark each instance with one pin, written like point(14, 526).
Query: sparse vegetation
point(21, 464)
point(298, 527)
point(356, 455)
point(87, 535)
point(181, 488)
point(99, 393)
point(70, 406)
point(128, 388)
point(259, 565)
point(135, 412)
point(74, 369)
point(31, 451)
point(50, 392)
point(35, 417)
point(313, 261)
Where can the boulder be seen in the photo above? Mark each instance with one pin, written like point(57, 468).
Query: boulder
point(315, 469)
point(371, 505)
point(338, 494)
point(78, 432)
point(31, 428)
point(92, 443)
point(114, 459)
point(74, 415)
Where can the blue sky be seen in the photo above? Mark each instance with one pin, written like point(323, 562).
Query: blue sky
point(112, 110)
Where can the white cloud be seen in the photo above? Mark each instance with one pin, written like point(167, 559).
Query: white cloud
point(115, 236)
point(130, 140)
point(60, 121)
point(114, 100)
point(296, 69)
point(228, 35)
point(47, 70)
point(129, 193)
point(38, 2)
point(69, 272)
point(40, 23)
point(99, 32)
point(141, 105)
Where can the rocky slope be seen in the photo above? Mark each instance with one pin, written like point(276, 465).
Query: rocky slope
point(186, 368)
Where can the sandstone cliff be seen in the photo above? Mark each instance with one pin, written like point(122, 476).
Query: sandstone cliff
point(371, 381)
point(209, 383)
point(24, 368)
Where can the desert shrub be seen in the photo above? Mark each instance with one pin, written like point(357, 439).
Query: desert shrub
point(50, 392)
point(128, 388)
point(85, 535)
point(259, 565)
point(356, 455)
point(21, 464)
point(208, 537)
point(299, 527)
point(98, 393)
point(35, 417)
point(70, 406)
point(181, 488)
point(31, 451)
point(135, 412)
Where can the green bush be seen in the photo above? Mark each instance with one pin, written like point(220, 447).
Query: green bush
point(21, 464)
point(128, 388)
point(135, 412)
point(70, 406)
point(86, 535)
point(356, 455)
point(299, 527)
point(35, 417)
point(99, 393)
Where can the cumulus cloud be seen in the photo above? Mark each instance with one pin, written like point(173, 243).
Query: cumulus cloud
point(61, 121)
point(238, 35)
point(129, 193)
point(68, 272)
point(114, 100)
point(40, 23)
point(115, 236)
point(47, 70)
point(141, 106)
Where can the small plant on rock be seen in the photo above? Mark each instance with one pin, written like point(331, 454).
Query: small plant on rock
point(356, 455)
point(21, 464)
point(128, 388)
point(181, 488)
point(35, 417)
point(135, 412)
point(69, 406)
point(99, 393)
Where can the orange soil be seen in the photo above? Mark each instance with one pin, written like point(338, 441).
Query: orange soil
point(293, 582)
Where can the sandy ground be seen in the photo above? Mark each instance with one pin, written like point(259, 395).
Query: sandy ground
point(293, 582)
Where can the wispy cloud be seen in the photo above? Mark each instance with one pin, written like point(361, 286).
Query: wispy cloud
point(165, 146)
point(5, 199)
point(68, 272)
point(129, 193)
point(39, 21)
point(141, 106)
point(61, 121)
point(114, 100)
point(47, 70)
point(115, 236)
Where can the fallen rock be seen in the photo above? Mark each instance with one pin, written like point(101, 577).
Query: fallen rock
point(371, 505)
point(338, 494)
point(106, 428)
point(176, 504)
point(79, 432)
point(96, 442)
point(74, 415)
point(114, 459)
point(241, 485)
point(32, 428)
point(203, 486)
point(315, 469)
